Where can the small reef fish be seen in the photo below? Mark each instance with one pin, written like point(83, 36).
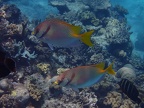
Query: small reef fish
point(130, 90)
point(83, 76)
point(7, 65)
point(57, 33)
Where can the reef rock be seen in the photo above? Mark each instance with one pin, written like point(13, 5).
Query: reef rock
point(4, 84)
point(126, 72)
point(97, 4)
point(20, 93)
point(65, 6)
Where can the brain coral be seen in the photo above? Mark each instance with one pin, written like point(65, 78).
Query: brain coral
point(126, 72)
point(115, 100)
point(20, 93)
point(34, 92)
point(7, 101)
point(116, 32)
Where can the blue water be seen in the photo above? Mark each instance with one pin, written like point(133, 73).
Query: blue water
point(34, 9)
point(135, 18)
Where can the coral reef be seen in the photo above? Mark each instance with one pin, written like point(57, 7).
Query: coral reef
point(61, 70)
point(97, 4)
point(115, 100)
point(136, 61)
point(64, 6)
point(4, 84)
point(126, 72)
point(35, 85)
point(115, 31)
point(10, 13)
point(7, 101)
point(38, 66)
point(34, 92)
point(44, 67)
point(10, 26)
point(72, 100)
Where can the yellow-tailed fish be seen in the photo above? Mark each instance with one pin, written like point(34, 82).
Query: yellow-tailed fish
point(57, 33)
point(83, 76)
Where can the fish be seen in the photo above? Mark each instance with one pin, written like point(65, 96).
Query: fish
point(83, 76)
point(130, 90)
point(57, 33)
point(7, 65)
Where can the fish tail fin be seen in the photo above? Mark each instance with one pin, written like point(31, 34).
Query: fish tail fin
point(110, 70)
point(138, 101)
point(85, 38)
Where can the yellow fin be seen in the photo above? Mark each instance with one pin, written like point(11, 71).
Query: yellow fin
point(110, 70)
point(85, 38)
point(32, 33)
point(100, 65)
point(56, 83)
point(75, 29)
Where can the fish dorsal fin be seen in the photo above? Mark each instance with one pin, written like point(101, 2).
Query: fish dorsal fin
point(100, 65)
point(75, 29)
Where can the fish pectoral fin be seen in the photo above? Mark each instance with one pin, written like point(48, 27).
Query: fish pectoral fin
point(73, 75)
point(76, 90)
point(86, 38)
point(51, 46)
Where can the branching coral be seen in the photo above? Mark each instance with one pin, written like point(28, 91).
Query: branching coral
point(116, 32)
point(136, 61)
point(97, 57)
point(7, 101)
point(44, 67)
point(37, 86)
point(61, 70)
point(11, 45)
point(56, 103)
point(34, 92)
point(8, 26)
point(89, 99)
point(14, 29)
point(70, 99)
point(115, 100)
point(11, 13)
